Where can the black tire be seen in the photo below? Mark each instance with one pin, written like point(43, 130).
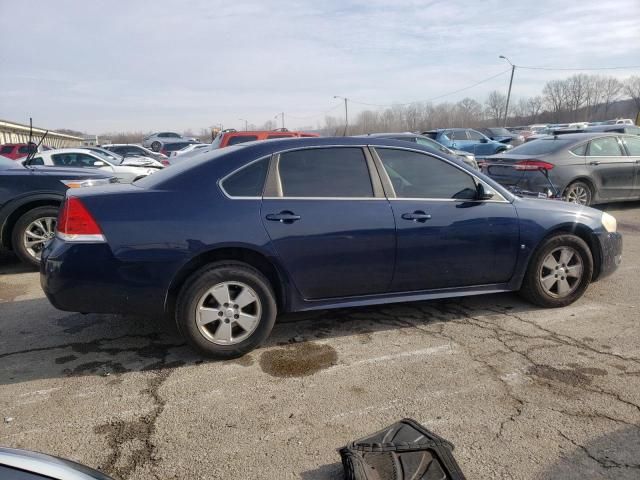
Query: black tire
point(156, 146)
point(203, 280)
point(575, 190)
point(19, 229)
point(532, 288)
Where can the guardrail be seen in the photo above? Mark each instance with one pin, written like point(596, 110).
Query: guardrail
point(11, 132)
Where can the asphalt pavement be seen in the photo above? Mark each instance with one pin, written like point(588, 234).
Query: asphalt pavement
point(522, 392)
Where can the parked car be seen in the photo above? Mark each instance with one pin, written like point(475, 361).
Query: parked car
point(233, 137)
point(126, 149)
point(169, 147)
point(155, 140)
point(17, 464)
point(468, 140)
point(117, 159)
point(619, 121)
point(585, 168)
point(502, 135)
point(83, 158)
point(229, 239)
point(29, 201)
point(466, 157)
point(16, 151)
point(188, 152)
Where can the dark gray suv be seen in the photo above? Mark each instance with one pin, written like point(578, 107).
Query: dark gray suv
point(584, 168)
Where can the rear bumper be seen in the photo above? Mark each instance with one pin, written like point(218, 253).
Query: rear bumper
point(87, 278)
point(610, 253)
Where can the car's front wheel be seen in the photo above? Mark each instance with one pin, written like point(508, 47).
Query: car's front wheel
point(32, 230)
point(226, 310)
point(559, 272)
point(155, 146)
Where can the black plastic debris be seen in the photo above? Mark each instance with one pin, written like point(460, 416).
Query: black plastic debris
point(403, 451)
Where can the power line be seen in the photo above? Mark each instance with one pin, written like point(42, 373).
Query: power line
point(436, 97)
point(578, 69)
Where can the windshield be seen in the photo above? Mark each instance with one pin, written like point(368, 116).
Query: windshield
point(110, 157)
point(5, 164)
point(542, 146)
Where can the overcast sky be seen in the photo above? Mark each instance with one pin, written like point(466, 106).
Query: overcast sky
point(104, 66)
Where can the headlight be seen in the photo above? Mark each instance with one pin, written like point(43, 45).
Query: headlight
point(609, 222)
point(87, 182)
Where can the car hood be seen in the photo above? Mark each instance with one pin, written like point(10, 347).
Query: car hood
point(577, 213)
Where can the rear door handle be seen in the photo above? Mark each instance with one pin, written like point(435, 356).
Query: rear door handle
point(417, 216)
point(283, 217)
point(595, 162)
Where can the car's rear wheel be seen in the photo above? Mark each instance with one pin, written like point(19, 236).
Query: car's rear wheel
point(559, 272)
point(226, 309)
point(580, 193)
point(155, 146)
point(32, 230)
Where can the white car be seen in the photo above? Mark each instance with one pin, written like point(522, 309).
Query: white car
point(83, 158)
point(619, 121)
point(155, 140)
point(192, 147)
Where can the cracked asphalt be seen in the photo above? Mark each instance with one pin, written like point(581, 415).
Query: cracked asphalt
point(522, 392)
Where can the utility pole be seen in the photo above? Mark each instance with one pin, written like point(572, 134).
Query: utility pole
point(246, 124)
point(513, 70)
point(346, 114)
point(281, 114)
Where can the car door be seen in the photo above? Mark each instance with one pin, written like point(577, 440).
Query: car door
point(632, 145)
point(612, 170)
point(481, 145)
point(445, 237)
point(329, 221)
point(460, 141)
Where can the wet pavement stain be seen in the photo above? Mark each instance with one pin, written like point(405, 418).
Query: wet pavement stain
point(571, 376)
point(65, 359)
point(298, 360)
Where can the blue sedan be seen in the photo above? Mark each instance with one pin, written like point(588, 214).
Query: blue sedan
point(226, 241)
point(468, 140)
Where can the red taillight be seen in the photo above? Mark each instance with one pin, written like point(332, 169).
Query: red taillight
point(533, 165)
point(76, 223)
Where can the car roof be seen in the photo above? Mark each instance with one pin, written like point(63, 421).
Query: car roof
point(68, 150)
point(585, 135)
point(391, 134)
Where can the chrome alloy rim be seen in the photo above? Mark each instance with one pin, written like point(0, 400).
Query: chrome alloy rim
point(578, 194)
point(561, 272)
point(37, 233)
point(228, 313)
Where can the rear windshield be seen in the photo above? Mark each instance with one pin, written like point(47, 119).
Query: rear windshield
point(235, 139)
point(6, 149)
point(542, 146)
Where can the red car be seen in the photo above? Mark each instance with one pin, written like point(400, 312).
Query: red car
point(233, 137)
point(16, 151)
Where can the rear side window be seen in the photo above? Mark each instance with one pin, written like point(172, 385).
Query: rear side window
point(633, 145)
point(6, 149)
point(457, 134)
point(247, 182)
point(325, 172)
point(416, 175)
point(580, 150)
point(235, 139)
point(604, 147)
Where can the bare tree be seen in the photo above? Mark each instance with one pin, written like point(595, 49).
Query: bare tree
point(632, 89)
point(534, 107)
point(555, 95)
point(611, 88)
point(576, 92)
point(495, 105)
point(469, 111)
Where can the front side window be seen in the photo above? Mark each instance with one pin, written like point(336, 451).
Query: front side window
point(473, 135)
point(604, 147)
point(416, 175)
point(325, 172)
point(247, 182)
point(76, 160)
point(236, 139)
point(36, 161)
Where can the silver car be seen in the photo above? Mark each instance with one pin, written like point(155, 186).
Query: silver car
point(155, 140)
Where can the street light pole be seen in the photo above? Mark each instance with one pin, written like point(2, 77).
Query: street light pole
point(346, 114)
point(513, 69)
point(246, 124)
point(282, 115)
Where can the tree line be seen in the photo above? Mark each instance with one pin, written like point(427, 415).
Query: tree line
point(580, 97)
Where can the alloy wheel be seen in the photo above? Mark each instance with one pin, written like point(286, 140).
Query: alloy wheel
point(228, 313)
point(561, 272)
point(578, 194)
point(37, 233)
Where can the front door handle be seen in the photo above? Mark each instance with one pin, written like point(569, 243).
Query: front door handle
point(283, 217)
point(417, 216)
point(595, 162)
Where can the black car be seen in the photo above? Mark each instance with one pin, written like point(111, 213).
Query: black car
point(584, 168)
point(29, 202)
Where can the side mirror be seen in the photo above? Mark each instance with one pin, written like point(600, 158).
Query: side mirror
point(484, 192)
point(99, 163)
point(483, 140)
